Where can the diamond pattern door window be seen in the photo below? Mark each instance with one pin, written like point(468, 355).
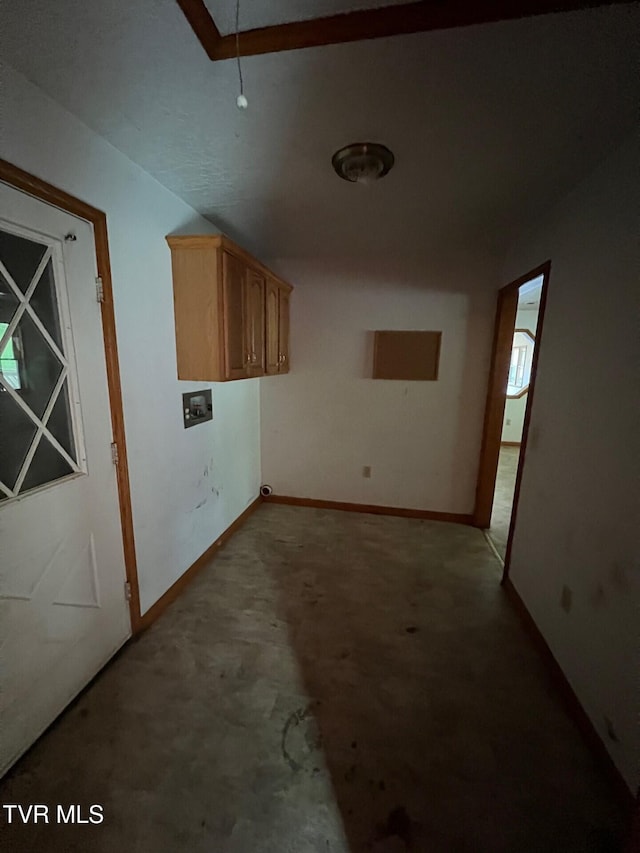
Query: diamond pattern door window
point(37, 437)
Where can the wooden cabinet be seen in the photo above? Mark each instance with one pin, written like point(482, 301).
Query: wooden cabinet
point(277, 326)
point(234, 357)
point(272, 319)
point(231, 312)
point(283, 328)
point(254, 323)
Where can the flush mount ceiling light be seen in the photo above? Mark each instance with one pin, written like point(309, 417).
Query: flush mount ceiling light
point(363, 162)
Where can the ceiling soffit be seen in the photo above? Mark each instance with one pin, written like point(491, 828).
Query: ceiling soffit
point(362, 24)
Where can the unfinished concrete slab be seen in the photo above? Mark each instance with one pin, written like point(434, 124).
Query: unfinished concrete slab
point(331, 682)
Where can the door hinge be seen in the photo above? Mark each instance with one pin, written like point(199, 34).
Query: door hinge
point(127, 591)
point(99, 289)
point(115, 456)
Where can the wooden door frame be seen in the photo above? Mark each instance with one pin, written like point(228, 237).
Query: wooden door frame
point(496, 399)
point(30, 184)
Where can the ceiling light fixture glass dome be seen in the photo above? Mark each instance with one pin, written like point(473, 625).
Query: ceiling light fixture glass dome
point(363, 162)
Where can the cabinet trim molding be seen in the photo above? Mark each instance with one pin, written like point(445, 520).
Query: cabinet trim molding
point(221, 241)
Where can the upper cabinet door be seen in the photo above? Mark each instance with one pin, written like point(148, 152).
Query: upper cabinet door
point(254, 325)
point(272, 312)
point(283, 329)
point(231, 312)
point(236, 351)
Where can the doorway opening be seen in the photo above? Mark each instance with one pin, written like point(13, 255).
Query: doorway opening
point(514, 360)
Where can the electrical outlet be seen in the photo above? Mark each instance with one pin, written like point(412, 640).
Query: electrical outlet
point(508, 421)
point(565, 599)
point(366, 471)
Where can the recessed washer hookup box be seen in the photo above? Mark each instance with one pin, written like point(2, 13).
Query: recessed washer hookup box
point(197, 407)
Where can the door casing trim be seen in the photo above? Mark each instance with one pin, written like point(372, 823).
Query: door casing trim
point(36, 187)
point(496, 400)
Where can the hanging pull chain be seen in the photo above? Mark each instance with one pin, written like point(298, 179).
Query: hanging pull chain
point(241, 101)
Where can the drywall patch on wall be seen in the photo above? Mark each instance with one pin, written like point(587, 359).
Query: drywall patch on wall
point(578, 514)
point(165, 460)
point(327, 420)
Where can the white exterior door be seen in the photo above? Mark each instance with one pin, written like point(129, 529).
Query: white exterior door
point(63, 609)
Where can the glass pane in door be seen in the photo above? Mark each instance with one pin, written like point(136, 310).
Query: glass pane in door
point(46, 465)
point(45, 303)
point(59, 423)
point(8, 300)
point(35, 392)
point(20, 258)
point(17, 433)
point(40, 367)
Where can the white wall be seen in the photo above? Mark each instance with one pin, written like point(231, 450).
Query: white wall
point(578, 519)
point(513, 420)
point(327, 419)
point(187, 486)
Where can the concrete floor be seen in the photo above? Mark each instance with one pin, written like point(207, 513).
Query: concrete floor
point(503, 498)
point(331, 682)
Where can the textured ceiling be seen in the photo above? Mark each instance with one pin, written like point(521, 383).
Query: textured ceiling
point(267, 13)
point(489, 124)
